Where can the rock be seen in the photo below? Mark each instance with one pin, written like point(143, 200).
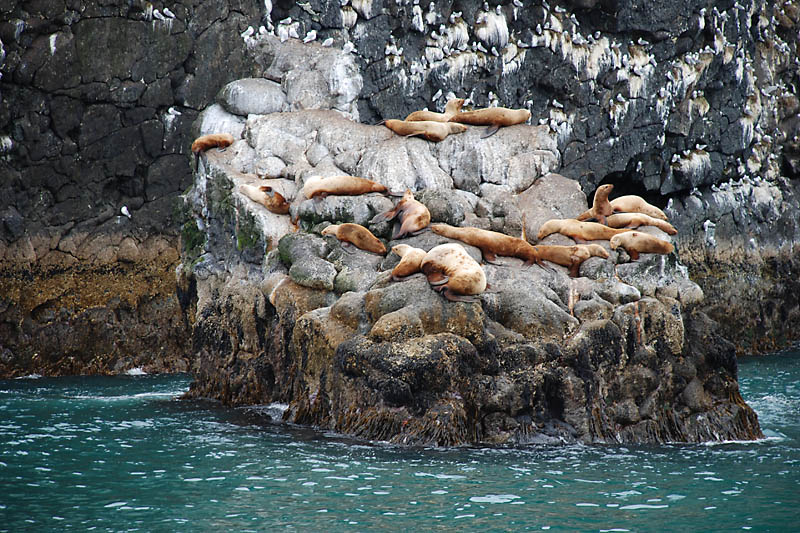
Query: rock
point(252, 96)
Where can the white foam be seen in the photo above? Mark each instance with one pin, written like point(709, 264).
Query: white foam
point(138, 371)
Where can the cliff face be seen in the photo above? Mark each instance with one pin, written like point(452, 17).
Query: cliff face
point(96, 105)
point(671, 100)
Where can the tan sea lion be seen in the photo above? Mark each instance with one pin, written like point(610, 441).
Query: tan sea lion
point(636, 204)
point(636, 242)
point(494, 117)
point(212, 140)
point(491, 243)
point(596, 250)
point(414, 216)
point(601, 207)
point(454, 273)
point(357, 235)
point(450, 109)
point(340, 185)
point(410, 261)
point(570, 256)
point(266, 196)
point(634, 220)
point(428, 129)
point(580, 231)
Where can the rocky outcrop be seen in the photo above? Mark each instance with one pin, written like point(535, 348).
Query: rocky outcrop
point(620, 354)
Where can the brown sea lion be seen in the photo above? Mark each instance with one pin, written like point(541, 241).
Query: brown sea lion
point(580, 231)
point(494, 117)
point(596, 250)
point(414, 216)
point(340, 185)
point(601, 207)
point(428, 129)
point(410, 261)
point(636, 204)
point(357, 235)
point(570, 256)
point(212, 140)
point(266, 196)
point(454, 273)
point(491, 243)
point(634, 220)
point(450, 109)
point(636, 242)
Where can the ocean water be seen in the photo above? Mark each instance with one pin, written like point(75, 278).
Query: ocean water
point(124, 454)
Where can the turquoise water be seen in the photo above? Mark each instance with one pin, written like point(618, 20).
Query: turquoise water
point(123, 454)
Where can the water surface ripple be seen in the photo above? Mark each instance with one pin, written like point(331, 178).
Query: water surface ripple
point(124, 453)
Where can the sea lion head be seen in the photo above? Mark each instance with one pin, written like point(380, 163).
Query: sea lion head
point(455, 127)
point(401, 249)
point(331, 230)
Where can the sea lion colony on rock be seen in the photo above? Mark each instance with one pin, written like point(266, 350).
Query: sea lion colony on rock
point(451, 270)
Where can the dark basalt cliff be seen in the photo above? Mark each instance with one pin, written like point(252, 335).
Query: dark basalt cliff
point(690, 104)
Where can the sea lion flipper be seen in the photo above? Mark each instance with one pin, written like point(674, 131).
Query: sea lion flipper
point(437, 278)
point(348, 247)
point(489, 257)
point(383, 217)
point(491, 130)
point(453, 297)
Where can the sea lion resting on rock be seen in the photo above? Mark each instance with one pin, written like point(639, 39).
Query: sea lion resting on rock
point(266, 196)
point(428, 129)
point(414, 216)
point(636, 204)
point(340, 185)
point(410, 261)
point(570, 256)
point(636, 242)
point(453, 106)
point(494, 117)
point(601, 207)
point(212, 140)
point(357, 235)
point(491, 243)
point(634, 220)
point(454, 273)
point(580, 231)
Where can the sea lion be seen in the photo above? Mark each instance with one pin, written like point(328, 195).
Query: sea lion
point(340, 185)
point(580, 231)
point(601, 207)
point(570, 256)
point(414, 216)
point(212, 140)
point(636, 204)
point(410, 261)
point(450, 109)
point(428, 129)
point(494, 117)
point(636, 242)
point(634, 220)
point(454, 273)
point(357, 235)
point(266, 196)
point(491, 243)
